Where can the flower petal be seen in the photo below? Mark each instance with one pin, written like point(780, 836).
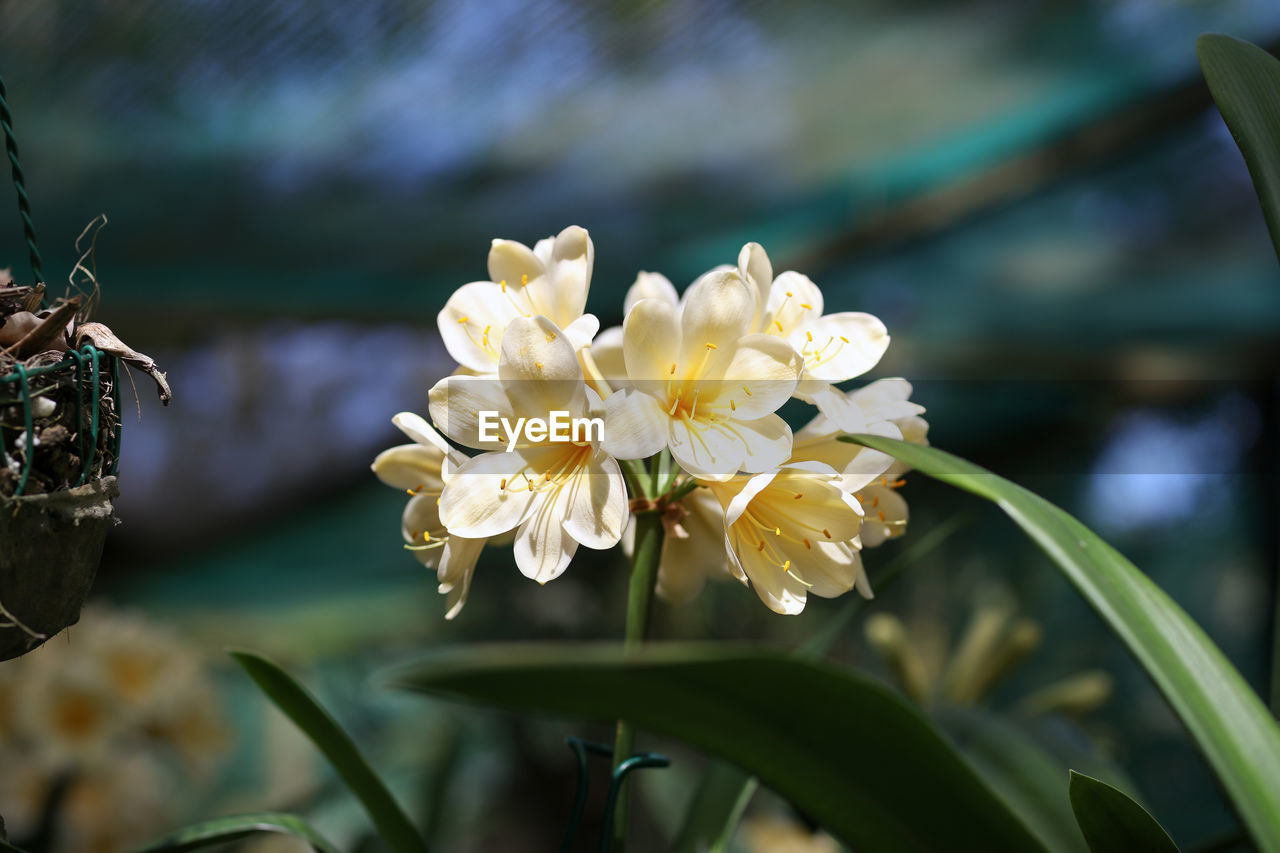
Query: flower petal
point(650, 285)
point(513, 263)
point(757, 272)
point(597, 508)
point(457, 566)
point(542, 548)
point(760, 376)
point(582, 330)
point(793, 299)
point(410, 467)
point(539, 369)
point(650, 343)
point(718, 311)
point(606, 351)
point(842, 346)
point(635, 425)
point(484, 497)
point(472, 322)
point(456, 401)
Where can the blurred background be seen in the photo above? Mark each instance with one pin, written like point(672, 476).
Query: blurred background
point(1037, 198)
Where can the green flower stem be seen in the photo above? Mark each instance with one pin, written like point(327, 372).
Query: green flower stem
point(644, 576)
point(637, 477)
point(683, 489)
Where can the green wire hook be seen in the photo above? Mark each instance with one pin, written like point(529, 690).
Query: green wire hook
point(581, 748)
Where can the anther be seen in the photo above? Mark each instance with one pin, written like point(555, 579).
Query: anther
point(798, 496)
point(809, 335)
point(711, 345)
point(826, 533)
point(881, 514)
point(524, 279)
point(502, 487)
point(464, 319)
point(807, 545)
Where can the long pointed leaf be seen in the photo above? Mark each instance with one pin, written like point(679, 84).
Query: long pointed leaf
point(1114, 823)
point(219, 831)
point(1245, 83)
point(393, 826)
point(844, 749)
point(1232, 727)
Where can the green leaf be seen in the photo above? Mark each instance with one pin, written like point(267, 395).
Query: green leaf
point(716, 807)
point(1232, 727)
point(1114, 823)
point(222, 830)
point(724, 791)
point(1021, 772)
point(843, 748)
point(395, 829)
point(1245, 82)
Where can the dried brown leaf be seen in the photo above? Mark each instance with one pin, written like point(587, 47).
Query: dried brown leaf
point(105, 339)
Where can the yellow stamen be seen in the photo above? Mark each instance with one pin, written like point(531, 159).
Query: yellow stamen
point(733, 406)
point(798, 496)
point(502, 487)
point(711, 345)
point(807, 545)
point(806, 306)
point(826, 533)
point(779, 325)
point(747, 390)
point(881, 514)
point(809, 335)
point(524, 279)
point(463, 319)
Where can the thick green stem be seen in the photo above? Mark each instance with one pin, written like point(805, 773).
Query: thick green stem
point(644, 576)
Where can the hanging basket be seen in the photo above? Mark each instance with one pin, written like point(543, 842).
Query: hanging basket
point(59, 444)
point(59, 448)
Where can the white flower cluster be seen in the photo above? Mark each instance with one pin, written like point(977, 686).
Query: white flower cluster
point(122, 717)
point(694, 381)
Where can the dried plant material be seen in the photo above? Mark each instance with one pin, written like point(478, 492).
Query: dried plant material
point(16, 327)
point(49, 334)
point(35, 295)
point(104, 339)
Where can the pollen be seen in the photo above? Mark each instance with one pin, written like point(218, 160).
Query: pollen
point(806, 306)
point(798, 496)
point(746, 390)
point(672, 371)
point(733, 406)
point(806, 544)
point(809, 335)
point(881, 515)
point(503, 285)
point(464, 319)
point(843, 338)
point(760, 547)
point(538, 365)
point(551, 336)
point(502, 486)
point(711, 345)
point(524, 279)
point(786, 567)
point(779, 325)
point(777, 531)
point(790, 294)
point(875, 501)
point(826, 533)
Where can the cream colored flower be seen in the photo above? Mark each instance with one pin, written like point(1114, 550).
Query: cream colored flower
point(554, 494)
point(835, 347)
point(702, 384)
point(421, 469)
point(873, 477)
point(790, 532)
point(550, 280)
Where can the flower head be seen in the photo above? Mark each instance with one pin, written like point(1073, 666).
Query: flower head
point(702, 384)
point(421, 470)
point(555, 494)
point(549, 280)
point(792, 531)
